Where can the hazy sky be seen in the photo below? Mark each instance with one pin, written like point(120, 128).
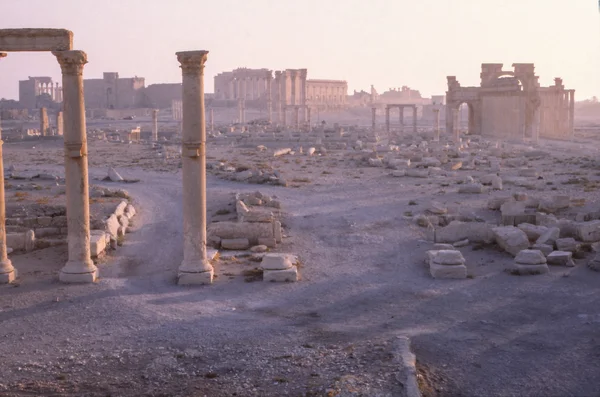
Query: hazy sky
point(388, 43)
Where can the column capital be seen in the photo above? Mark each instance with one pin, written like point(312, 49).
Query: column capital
point(3, 55)
point(71, 62)
point(192, 62)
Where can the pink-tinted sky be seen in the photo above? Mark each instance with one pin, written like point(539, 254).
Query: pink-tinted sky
point(388, 43)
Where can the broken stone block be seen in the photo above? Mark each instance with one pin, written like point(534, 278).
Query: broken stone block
point(588, 231)
point(259, 248)
point(97, 242)
point(594, 264)
point(417, 173)
point(281, 276)
point(456, 165)
point(530, 257)
point(112, 225)
point(448, 257)
point(495, 203)
point(545, 248)
point(533, 232)
point(120, 210)
point(547, 220)
point(439, 246)
point(513, 213)
point(478, 232)
point(567, 244)
point(437, 208)
point(114, 176)
point(399, 173)
point(530, 269)
point(511, 239)
point(554, 204)
point(448, 271)
point(277, 261)
point(549, 237)
point(497, 183)
point(376, 162)
point(561, 258)
point(281, 152)
point(267, 241)
point(235, 244)
point(474, 188)
point(461, 243)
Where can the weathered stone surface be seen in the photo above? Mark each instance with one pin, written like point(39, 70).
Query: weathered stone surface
point(281, 276)
point(417, 173)
point(250, 230)
point(120, 210)
point(445, 271)
point(35, 40)
point(545, 248)
point(511, 239)
point(588, 231)
point(259, 248)
point(437, 208)
point(549, 237)
point(472, 188)
point(114, 176)
point(277, 261)
point(448, 257)
point(561, 258)
point(533, 232)
point(497, 183)
point(112, 225)
point(513, 213)
point(567, 244)
point(235, 244)
point(97, 242)
point(530, 257)
point(495, 203)
point(478, 232)
point(530, 269)
point(554, 204)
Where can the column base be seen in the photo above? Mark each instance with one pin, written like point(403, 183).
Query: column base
point(203, 278)
point(78, 272)
point(7, 278)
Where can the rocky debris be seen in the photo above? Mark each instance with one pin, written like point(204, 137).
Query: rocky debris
point(533, 232)
point(567, 244)
point(560, 258)
point(281, 152)
point(588, 231)
point(594, 264)
point(511, 239)
point(530, 262)
point(253, 175)
point(455, 231)
point(114, 176)
point(544, 248)
point(471, 188)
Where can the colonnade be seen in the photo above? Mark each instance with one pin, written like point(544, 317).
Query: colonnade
point(400, 116)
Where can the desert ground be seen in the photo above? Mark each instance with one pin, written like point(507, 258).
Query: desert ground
point(364, 282)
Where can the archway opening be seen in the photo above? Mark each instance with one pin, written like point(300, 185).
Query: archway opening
point(465, 122)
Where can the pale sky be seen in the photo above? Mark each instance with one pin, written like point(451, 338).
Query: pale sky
point(387, 43)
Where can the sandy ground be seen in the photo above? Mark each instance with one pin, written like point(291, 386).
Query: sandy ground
point(363, 283)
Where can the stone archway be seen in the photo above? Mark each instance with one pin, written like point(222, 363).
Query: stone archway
point(79, 267)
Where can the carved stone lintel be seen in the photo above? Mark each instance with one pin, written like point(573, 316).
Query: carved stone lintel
point(192, 62)
point(191, 149)
point(74, 149)
point(71, 62)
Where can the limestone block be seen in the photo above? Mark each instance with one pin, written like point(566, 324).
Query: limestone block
point(29, 240)
point(561, 258)
point(568, 228)
point(448, 271)
point(376, 162)
point(461, 243)
point(274, 204)
point(120, 210)
point(44, 221)
point(513, 213)
point(253, 200)
point(554, 204)
point(277, 261)
point(243, 175)
point(520, 196)
point(114, 176)
point(456, 165)
point(588, 231)
point(474, 188)
point(549, 236)
point(530, 269)
point(431, 162)
point(123, 221)
point(130, 211)
point(281, 276)
point(97, 242)
point(440, 246)
point(47, 231)
point(448, 257)
point(497, 183)
point(437, 208)
point(478, 232)
point(35, 40)
point(310, 151)
point(281, 152)
point(259, 248)
point(59, 221)
point(533, 232)
point(511, 239)
point(495, 203)
point(398, 163)
point(250, 230)
point(30, 222)
point(112, 226)
point(195, 278)
point(267, 241)
point(548, 220)
point(235, 243)
point(399, 173)
point(567, 244)
point(545, 248)
point(15, 240)
point(530, 257)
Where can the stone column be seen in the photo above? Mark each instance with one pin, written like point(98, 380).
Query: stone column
point(401, 117)
point(572, 114)
point(43, 122)
point(269, 80)
point(293, 90)
point(154, 125)
point(297, 117)
point(436, 125)
point(303, 73)
point(59, 123)
point(308, 121)
point(373, 118)
point(449, 120)
point(7, 271)
point(387, 119)
point(456, 132)
point(80, 267)
point(195, 268)
point(414, 119)
point(212, 120)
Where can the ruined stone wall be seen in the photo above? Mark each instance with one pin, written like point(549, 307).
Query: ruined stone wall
point(27, 94)
point(327, 94)
point(160, 96)
point(503, 116)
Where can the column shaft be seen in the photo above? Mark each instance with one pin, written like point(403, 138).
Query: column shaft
point(414, 119)
point(195, 268)
point(7, 271)
point(79, 267)
point(154, 125)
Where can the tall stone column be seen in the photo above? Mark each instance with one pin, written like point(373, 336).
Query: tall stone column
point(154, 125)
point(387, 119)
point(456, 132)
point(373, 118)
point(436, 124)
point(308, 121)
point(297, 117)
point(59, 123)
point(401, 117)
point(212, 120)
point(293, 90)
point(571, 114)
point(269, 81)
point(303, 74)
point(44, 122)
point(79, 267)
point(7, 271)
point(195, 268)
point(414, 119)
point(449, 120)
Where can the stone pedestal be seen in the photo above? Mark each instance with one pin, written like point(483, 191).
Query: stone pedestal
point(195, 268)
point(79, 267)
point(154, 125)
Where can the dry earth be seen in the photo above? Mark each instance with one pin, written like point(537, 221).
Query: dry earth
point(135, 333)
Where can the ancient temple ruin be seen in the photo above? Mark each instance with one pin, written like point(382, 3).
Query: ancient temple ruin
point(512, 105)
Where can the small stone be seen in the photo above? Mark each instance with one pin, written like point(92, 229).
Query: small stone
point(530, 257)
point(259, 248)
point(561, 258)
point(114, 176)
point(472, 188)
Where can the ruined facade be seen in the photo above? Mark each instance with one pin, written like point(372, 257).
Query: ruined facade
point(33, 90)
point(512, 105)
point(113, 92)
point(327, 94)
point(245, 83)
